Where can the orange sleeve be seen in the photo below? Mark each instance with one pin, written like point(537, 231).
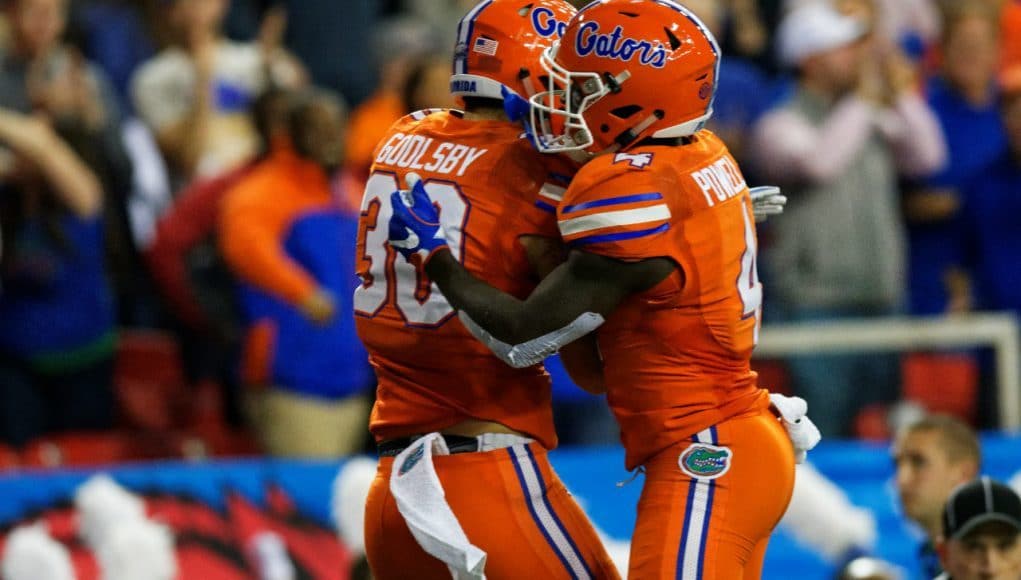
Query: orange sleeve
point(254, 220)
point(618, 214)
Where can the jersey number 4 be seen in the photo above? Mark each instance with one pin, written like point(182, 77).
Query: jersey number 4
point(389, 278)
point(748, 285)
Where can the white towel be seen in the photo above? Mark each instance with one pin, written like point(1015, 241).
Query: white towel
point(421, 500)
point(802, 431)
point(31, 553)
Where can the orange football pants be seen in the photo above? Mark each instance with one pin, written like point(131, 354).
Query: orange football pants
point(510, 504)
point(710, 503)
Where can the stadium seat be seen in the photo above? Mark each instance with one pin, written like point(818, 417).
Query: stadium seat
point(90, 449)
point(149, 379)
point(942, 382)
point(9, 458)
point(218, 440)
point(872, 424)
point(206, 403)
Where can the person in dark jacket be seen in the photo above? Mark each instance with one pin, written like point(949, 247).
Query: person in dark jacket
point(58, 334)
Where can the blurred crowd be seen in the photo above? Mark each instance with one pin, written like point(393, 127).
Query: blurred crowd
point(196, 166)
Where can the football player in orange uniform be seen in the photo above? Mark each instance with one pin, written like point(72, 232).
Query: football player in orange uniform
point(479, 496)
point(663, 263)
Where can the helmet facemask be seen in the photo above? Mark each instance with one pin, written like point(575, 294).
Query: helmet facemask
point(558, 113)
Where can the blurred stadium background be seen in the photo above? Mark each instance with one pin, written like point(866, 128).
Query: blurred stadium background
point(125, 123)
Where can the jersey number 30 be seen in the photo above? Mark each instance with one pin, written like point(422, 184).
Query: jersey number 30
point(386, 276)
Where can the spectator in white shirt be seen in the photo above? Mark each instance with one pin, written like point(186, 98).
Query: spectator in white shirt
point(853, 126)
point(195, 94)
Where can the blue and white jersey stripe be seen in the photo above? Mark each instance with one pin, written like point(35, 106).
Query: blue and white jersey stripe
point(698, 512)
point(621, 200)
point(545, 206)
point(610, 219)
point(619, 236)
point(545, 518)
point(549, 197)
point(554, 193)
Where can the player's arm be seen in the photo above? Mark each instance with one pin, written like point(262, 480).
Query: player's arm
point(568, 304)
point(581, 358)
point(571, 302)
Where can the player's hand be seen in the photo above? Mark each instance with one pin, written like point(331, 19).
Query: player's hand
point(803, 433)
point(516, 107)
point(415, 224)
point(319, 307)
point(766, 201)
point(518, 110)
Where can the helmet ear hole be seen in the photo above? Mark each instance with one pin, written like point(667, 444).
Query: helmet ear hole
point(674, 41)
point(604, 128)
point(626, 111)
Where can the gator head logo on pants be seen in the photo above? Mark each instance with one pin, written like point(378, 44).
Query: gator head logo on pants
point(412, 460)
point(703, 461)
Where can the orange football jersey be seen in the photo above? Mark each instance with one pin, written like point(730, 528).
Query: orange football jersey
point(677, 357)
point(492, 187)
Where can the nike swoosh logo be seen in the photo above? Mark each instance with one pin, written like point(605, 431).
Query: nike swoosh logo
point(410, 242)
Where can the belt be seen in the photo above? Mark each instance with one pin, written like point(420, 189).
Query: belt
point(455, 443)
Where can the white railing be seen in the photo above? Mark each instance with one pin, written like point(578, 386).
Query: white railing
point(1000, 331)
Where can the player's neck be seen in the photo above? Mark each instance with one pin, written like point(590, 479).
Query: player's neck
point(485, 114)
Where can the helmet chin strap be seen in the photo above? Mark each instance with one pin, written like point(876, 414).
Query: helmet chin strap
point(526, 81)
point(628, 137)
point(611, 84)
point(579, 155)
point(623, 140)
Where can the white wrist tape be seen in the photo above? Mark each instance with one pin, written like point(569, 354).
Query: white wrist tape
point(534, 351)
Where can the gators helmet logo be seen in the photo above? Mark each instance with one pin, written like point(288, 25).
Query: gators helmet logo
point(703, 461)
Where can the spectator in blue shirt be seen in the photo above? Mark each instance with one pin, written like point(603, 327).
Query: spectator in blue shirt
point(284, 232)
point(57, 336)
point(964, 98)
point(991, 209)
point(116, 38)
